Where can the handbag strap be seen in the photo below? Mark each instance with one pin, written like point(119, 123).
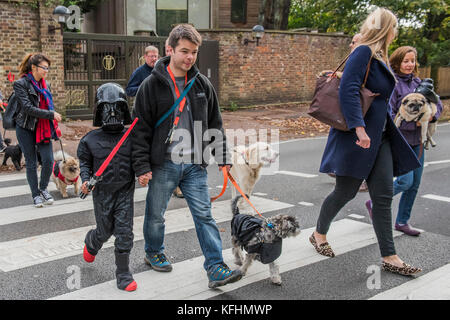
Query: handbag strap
point(367, 69)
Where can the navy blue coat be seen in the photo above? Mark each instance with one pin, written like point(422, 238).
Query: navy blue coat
point(342, 156)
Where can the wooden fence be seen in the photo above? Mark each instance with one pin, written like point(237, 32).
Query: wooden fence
point(443, 79)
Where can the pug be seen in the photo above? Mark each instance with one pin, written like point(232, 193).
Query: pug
point(66, 172)
point(415, 107)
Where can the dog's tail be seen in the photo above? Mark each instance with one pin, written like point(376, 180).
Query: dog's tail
point(7, 141)
point(59, 156)
point(234, 204)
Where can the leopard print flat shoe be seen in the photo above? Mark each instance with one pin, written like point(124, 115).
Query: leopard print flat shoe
point(324, 249)
point(405, 270)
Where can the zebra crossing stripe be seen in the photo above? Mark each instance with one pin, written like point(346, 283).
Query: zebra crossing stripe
point(188, 279)
point(431, 286)
point(59, 207)
point(297, 174)
point(21, 253)
point(12, 177)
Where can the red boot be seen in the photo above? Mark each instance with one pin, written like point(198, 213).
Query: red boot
point(87, 256)
point(131, 287)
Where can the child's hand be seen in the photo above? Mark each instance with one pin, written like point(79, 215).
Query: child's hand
point(145, 178)
point(84, 187)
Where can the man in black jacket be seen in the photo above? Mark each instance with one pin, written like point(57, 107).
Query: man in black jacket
point(175, 153)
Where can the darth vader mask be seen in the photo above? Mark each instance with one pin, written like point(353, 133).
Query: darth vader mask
point(112, 117)
point(111, 108)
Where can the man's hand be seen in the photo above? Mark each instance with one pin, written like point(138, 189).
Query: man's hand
point(1, 105)
point(145, 178)
point(363, 139)
point(228, 166)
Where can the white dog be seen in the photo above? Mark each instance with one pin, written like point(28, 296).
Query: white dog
point(247, 164)
point(66, 172)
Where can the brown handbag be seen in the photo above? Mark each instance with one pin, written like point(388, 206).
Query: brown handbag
point(325, 105)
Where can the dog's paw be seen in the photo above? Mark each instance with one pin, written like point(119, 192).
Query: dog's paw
point(276, 280)
point(238, 262)
point(65, 195)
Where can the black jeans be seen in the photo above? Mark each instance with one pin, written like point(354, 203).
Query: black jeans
point(380, 187)
point(27, 142)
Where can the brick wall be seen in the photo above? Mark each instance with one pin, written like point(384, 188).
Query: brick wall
point(23, 30)
point(281, 69)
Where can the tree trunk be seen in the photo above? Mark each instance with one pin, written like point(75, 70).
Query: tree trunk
point(274, 14)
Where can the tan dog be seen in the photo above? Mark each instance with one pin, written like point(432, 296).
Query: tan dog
point(415, 107)
point(66, 173)
point(248, 162)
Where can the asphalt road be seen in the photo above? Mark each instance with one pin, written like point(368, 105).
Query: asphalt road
point(343, 277)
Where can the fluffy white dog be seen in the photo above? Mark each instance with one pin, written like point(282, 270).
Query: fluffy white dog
point(247, 164)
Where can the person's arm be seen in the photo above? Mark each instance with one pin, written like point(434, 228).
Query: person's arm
point(27, 106)
point(142, 133)
point(133, 84)
point(86, 160)
point(220, 151)
point(350, 86)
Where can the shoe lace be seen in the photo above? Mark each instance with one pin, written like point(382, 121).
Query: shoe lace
point(160, 257)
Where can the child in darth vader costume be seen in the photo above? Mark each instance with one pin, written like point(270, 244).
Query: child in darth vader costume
point(114, 191)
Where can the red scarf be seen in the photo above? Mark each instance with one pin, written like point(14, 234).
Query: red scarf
point(46, 129)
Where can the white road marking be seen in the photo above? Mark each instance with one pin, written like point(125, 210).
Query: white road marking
point(188, 279)
point(356, 216)
point(21, 253)
point(427, 163)
point(307, 204)
point(435, 197)
point(60, 207)
point(435, 285)
point(15, 176)
point(261, 194)
point(13, 191)
point(297, 174)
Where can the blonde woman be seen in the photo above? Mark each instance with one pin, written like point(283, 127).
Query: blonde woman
point(374, 149)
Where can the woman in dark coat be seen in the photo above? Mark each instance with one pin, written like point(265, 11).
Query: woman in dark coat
point(373, 149)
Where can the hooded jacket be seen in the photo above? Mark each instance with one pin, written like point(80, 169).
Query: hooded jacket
point(154, 98)
point(406, 84)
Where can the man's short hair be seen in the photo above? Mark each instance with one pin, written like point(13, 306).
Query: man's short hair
point(184, 31)
point(151, 48)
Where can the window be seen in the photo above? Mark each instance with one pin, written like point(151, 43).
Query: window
point(239, 11)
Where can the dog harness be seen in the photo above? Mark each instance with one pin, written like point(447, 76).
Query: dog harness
point(245, 227)
point(57, 173)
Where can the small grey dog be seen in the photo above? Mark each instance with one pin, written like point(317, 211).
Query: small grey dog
point(261, 238)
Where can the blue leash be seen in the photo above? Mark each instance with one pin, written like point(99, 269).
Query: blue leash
point(177, 102)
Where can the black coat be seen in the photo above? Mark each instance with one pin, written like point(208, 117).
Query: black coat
point(153, 99)
point(28, 111)
point(92, 151)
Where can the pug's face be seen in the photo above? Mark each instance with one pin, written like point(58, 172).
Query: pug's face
point(414, 104)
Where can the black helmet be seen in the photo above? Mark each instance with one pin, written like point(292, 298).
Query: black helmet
point(112, 95)
point(426, 88)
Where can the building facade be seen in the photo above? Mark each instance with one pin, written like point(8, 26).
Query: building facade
point(157, 17)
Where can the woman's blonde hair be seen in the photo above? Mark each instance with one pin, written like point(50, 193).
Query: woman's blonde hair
point(375, 32)
point(399, 54)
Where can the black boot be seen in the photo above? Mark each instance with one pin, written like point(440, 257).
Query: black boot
point(124, 278)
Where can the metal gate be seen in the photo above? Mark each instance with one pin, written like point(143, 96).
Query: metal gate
point(91, 60)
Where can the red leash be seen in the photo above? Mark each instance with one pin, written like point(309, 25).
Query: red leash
point(226, 176)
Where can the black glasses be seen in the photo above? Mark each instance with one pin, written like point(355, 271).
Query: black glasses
point(44, 68)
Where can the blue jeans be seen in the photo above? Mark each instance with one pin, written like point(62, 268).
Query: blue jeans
point(193, 182)
point(27, 142)
point(408, 184)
